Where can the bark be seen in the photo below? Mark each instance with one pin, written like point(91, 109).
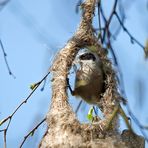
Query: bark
point(64, 130)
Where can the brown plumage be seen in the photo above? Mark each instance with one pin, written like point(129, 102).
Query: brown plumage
point(89, 80)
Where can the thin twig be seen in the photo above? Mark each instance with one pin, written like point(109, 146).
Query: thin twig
point(3, 3)
point(5, 139)
point(78, 107)
point(32, 132)
point(109, 34)
point(109, 20)
point(133, 39)
point(9, 118)
point(119, 28)
point(99, 19)
point(122, 15)
point(104, 28)
point(42, 89)
point(141, 127)
point(6, 61)
point(78, 5)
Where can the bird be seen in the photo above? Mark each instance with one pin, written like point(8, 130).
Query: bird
point(89, 79)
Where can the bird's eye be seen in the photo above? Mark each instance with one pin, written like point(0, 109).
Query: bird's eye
point(87, 56)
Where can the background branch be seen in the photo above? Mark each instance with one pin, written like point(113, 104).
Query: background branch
point(31, 133)
point(9, 118)
point(5, 58)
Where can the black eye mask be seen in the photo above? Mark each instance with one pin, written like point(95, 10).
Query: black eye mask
point(87, 56)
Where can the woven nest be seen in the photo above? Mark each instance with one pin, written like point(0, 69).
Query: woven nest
point(110, 96)
point(65, 131)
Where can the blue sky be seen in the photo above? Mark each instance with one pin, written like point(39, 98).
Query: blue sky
point(32, 32)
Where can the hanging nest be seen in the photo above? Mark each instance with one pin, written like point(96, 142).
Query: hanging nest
point(110, 98)
point(63, 128)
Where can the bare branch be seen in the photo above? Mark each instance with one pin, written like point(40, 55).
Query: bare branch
point(9, 118)
point(133, 39)
point(32, 132)
point(109, 20)
point(5, 58)
point(78, 107)
point(137, 122)
point(3, 3)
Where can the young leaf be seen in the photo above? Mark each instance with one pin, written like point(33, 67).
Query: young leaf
point(33, 86)
point(1, 122)
point(32, 133)
point(90, 114)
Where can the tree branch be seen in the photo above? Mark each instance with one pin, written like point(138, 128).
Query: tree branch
point(31, 132)
point(9, 118)
point(5, 58)
point(133, 39)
